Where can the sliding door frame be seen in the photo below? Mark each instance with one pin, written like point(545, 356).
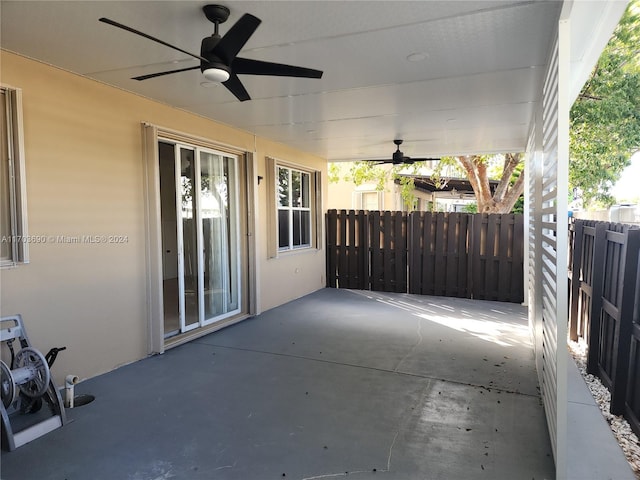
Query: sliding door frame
point(247, 183)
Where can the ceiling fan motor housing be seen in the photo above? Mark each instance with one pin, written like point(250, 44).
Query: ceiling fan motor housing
point(206, 51)
point(398, 156)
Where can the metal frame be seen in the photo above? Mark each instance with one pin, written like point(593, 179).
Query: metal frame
point(13, 329)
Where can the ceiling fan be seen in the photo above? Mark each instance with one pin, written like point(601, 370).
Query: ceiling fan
point(218, 55)
point(399, 158)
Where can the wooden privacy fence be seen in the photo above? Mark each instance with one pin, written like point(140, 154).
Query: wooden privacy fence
point(463, 255)
point(604, 308)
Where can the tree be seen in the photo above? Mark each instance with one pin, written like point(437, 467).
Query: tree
point(605, 118)
point(510, 186)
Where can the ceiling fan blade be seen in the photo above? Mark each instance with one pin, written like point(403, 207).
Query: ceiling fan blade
point(236, 37)
point(425, 159)
point(160, 74)
point(235, 86)
point(142, 34)
point(258, 67)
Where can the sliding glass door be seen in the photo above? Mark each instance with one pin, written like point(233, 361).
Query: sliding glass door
point(199, 209)
point(218, 223)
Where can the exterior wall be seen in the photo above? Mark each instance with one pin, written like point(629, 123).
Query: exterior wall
point(304, 270)
point(85, 176)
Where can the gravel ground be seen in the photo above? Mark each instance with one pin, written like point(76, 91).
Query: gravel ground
point(619, 426)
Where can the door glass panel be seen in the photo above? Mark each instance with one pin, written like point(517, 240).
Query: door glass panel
point(188, 209)
point(218, 204)
point(169, 222)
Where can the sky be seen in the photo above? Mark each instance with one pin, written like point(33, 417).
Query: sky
point(628, 187)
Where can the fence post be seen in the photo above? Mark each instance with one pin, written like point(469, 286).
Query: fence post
point(625, 324)
point(471, 255)
point(365, 281)
point(412, 258)
point(332, 236)
point(575, 279)
point(374, 246)
point(517, 265)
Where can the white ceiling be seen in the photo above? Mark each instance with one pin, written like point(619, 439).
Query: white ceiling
point(473, 92)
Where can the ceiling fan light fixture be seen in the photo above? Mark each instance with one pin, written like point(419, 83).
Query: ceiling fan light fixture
point(215, 74)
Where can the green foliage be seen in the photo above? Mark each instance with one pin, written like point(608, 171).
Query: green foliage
point(446, 167)
point(367, 172)
point(407, 187)
point(519, 205)
point(470, 208)
point(605, 119)
point(334, 173)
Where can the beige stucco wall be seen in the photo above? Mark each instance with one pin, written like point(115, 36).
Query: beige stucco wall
point(85, 171)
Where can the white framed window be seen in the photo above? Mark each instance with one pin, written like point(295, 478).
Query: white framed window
point(14, 239)
point(368, 199)
point(294, 215)
point(293, 194)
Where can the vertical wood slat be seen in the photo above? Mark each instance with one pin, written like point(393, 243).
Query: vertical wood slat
point(574, 296)
point(400, 252)
point(428, 254)
point(463, 279)
point(477, 267)
point(387, 244)
point(332, 235)
point(516, 293)
point(352, 250)
point(451, 257)
point(374, 247)
point(439, 264)
point(343, 260)
point(504, 255)
point(414, 247)
point(365, 283)
point(489, 254)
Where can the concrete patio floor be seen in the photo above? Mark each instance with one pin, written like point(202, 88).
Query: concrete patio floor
point(338, 383)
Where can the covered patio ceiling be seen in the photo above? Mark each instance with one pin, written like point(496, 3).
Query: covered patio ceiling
point(448, 77)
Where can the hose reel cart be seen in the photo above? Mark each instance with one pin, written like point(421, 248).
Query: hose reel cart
point(25, 387)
